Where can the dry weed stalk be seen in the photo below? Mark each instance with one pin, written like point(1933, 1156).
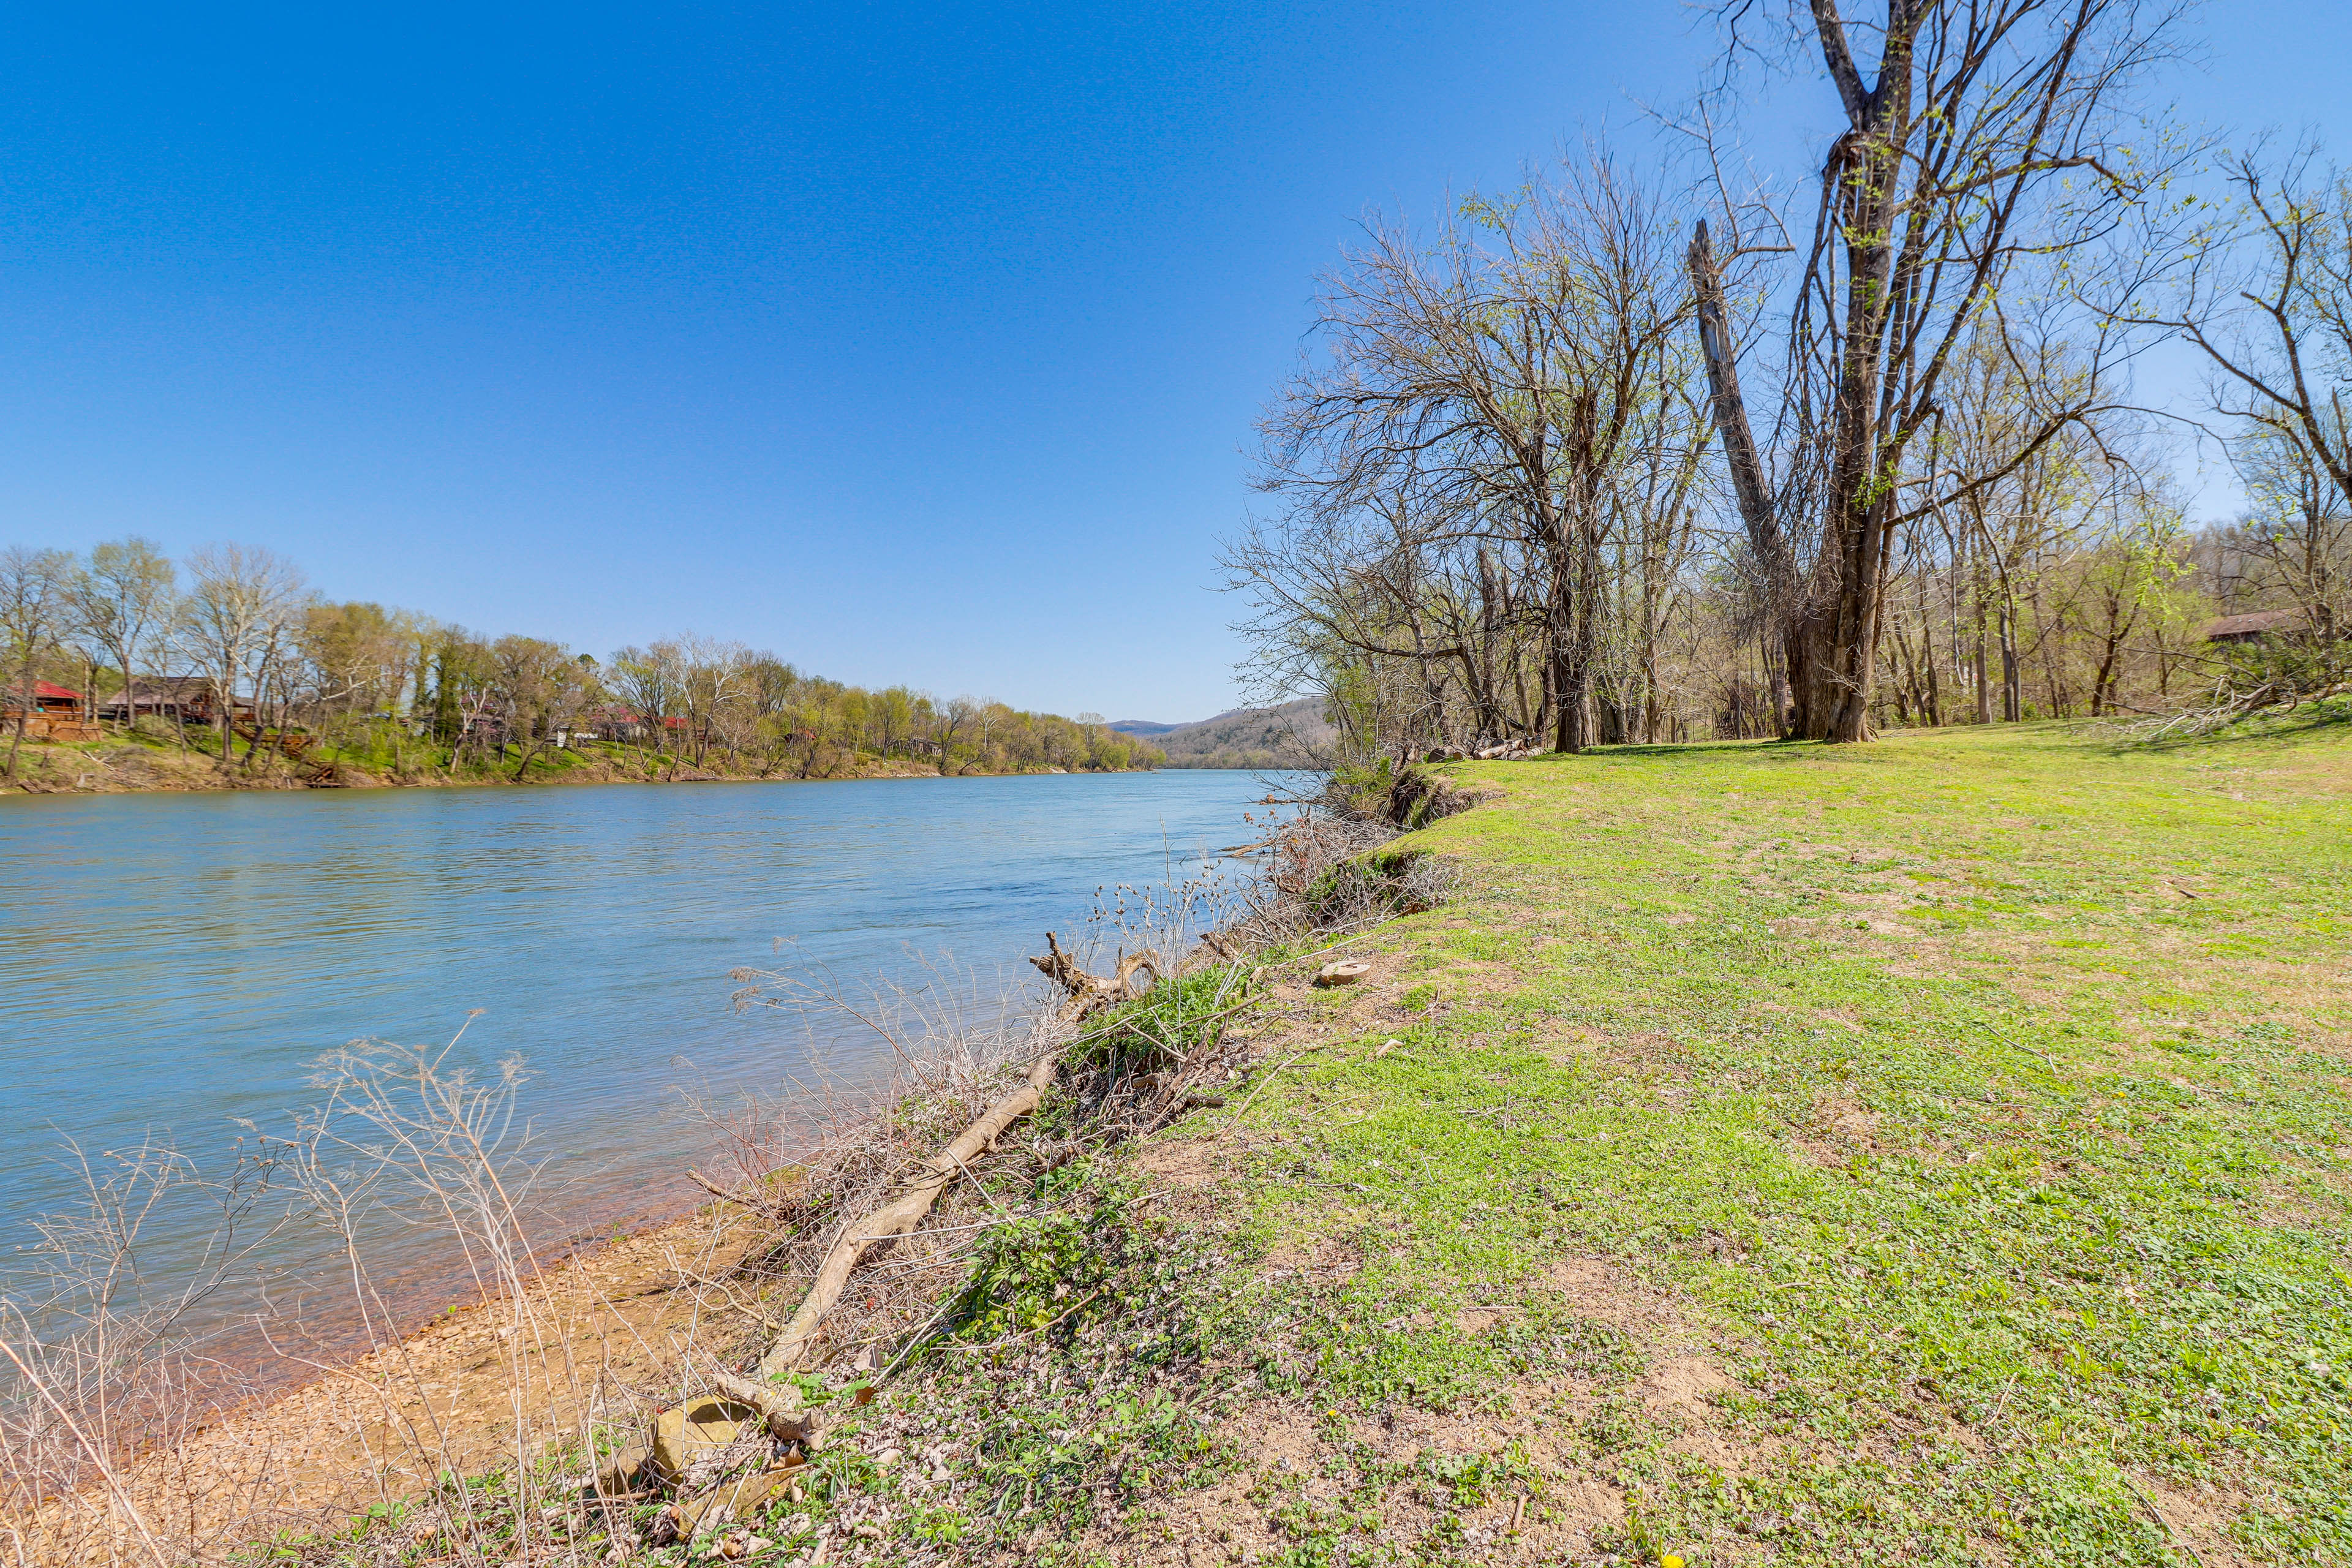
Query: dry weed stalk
point(100, 1451)
point(107, 1359)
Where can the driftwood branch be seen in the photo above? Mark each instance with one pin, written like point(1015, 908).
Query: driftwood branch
point(743, 1200)
point(902, 1214)
point(1084, 993)
point(1088, 992)
point(786, 1422)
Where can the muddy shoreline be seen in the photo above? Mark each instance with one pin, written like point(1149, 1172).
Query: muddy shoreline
point(130, 767)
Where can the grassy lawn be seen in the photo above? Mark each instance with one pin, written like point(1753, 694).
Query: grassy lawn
point(1938, 1150)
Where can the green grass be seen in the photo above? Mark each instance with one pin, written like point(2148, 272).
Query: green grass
point(2004, 1183)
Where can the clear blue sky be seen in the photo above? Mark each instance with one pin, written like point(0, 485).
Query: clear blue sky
point(917, 342)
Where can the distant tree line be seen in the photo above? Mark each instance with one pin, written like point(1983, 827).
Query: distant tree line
point(230, 651)
point(1569, 467)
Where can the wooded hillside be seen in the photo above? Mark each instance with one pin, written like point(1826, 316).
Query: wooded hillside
point(1288, 735)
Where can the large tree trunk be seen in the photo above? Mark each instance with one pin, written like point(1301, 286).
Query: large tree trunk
point(1984, 648)
point(1490, 613)
point(1559, 628)
point(1767, 541)
point(2012, 673)
point(224, 725)
point(1841, 628)
point(1575, 539)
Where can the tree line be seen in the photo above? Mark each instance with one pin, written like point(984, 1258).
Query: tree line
point(1650, 450)
point(231, 652)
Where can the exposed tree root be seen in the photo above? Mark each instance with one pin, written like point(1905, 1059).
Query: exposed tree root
point(1089, 992)
point(920, 1189)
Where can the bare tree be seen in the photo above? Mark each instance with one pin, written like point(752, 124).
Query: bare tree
point(714, 675)
point(1490, 385)
point(541, 689)
point(239, 610)
point(651, 680)
point(1990, 134)
point(2296, 542)
point(124, 601)
point(33, 611)
point(2264, 291)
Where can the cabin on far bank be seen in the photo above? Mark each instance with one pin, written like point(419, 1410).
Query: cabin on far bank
point(185, 698)
point(2259, 627)
point(56, 713)
point(625, 724)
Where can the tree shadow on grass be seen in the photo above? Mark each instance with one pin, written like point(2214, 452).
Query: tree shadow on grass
point(1766, 749)
point(2335, 714)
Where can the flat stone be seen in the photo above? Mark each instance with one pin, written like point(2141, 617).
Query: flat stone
point(728, 1502)
point(684, 1434)
point(623, 1472)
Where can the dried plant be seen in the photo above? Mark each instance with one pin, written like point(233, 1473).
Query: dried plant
point(107, 1359)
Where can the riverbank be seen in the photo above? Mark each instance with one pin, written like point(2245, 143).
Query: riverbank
point(1936, 1151)
point(116, 766)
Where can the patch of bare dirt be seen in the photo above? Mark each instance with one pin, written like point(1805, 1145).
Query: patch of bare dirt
point(1300, 1460)
point(2194, 1519)
point(1568, 1513)
point(1188, 1162)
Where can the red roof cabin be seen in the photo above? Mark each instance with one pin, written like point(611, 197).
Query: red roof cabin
point(48, 697)
point(56, 713)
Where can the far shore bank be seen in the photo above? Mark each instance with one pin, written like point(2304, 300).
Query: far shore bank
point(117, 766)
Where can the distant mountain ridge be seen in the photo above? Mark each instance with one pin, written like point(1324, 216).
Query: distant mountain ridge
point(1291, 735)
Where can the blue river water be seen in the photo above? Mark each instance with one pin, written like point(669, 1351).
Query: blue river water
point(173, 964)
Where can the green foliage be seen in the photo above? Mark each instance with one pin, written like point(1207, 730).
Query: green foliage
point(1042, 1269)
point(1997, 1176)
point(1361, 788)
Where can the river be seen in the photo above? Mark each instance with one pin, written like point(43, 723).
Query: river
point(174, 965)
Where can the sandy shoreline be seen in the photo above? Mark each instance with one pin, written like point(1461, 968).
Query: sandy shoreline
point(602, 1332)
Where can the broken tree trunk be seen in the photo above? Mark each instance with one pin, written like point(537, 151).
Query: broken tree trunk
point(1088, 992)
point(786, 1421)
point(1758, 511)
point(920, 1189)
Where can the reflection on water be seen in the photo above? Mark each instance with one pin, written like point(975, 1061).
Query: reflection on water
point(173, 962)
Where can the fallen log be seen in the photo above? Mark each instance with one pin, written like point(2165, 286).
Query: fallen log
point(921, 1188)
point(786, 1422)
point(917, 1193)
